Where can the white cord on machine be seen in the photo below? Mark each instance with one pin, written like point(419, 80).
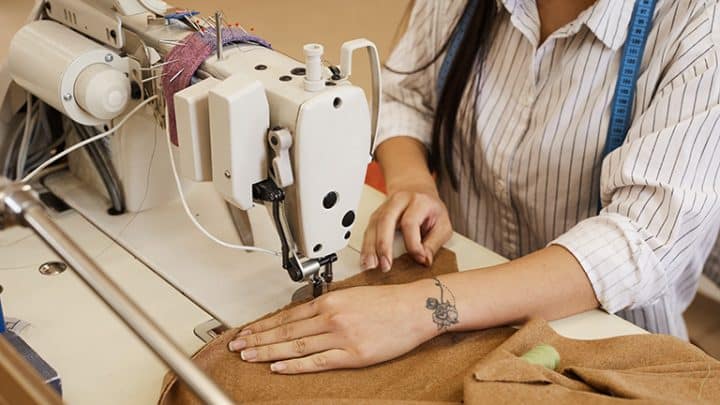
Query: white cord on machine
point(195, 222)
point(87, 141)
point(175, 174)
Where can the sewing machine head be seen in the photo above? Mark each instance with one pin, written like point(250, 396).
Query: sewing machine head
point(262, 127)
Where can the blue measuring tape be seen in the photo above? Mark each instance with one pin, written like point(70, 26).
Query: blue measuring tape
point(632, 56)
point(622, 102)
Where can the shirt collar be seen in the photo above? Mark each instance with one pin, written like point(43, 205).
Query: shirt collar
point(607, 19)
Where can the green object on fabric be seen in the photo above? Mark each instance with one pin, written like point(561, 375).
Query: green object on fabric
point(543, 355)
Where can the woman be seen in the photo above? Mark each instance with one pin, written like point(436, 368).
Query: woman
point(514, 141)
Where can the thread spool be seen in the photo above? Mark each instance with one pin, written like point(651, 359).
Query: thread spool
point(313, 67)
point(543, 355)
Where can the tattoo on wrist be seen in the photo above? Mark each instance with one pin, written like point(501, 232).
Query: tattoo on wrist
point(444, 311)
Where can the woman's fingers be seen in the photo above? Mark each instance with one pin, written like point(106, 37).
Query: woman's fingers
point(424, 223)
point(327, 360)
point(385, 226)
point(283, 333)
point(436, 238)
point(303, 311)
point(368, 256)
point(413, 218)
point(289, 350)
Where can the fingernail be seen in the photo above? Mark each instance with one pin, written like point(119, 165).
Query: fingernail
point(364, 262)
point(420, 259)
point(278, 367)
point(236, 345)
point(245, 332)
point(385, 264)
point(249, 354)
point(369, 262)
point(429, 257)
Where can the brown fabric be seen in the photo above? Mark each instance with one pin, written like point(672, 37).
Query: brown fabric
point(645, 368)
point(475, 367)
point(442, 370)
point(703, 322)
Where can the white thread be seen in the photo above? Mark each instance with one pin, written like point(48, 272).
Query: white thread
point(195, 221)
point(87, 141)
point(175, 175)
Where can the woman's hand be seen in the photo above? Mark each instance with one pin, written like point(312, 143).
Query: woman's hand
point(350, 328)
point(413, 206)
point(421, 217)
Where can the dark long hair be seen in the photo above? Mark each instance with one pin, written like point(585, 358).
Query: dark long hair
point(464, 72)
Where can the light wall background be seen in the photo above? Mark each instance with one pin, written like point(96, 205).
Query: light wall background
point(287, 24)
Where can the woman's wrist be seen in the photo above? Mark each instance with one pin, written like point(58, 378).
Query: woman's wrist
point(404, 164)
point(416, 183)
point(420, 302)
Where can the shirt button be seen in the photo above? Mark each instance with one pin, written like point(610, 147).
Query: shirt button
point(500, 186)
point(525, 100)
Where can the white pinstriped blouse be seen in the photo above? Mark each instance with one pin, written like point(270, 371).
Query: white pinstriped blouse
point(542, 116)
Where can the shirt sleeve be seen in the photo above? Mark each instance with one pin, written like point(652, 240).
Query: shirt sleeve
point(408, 99)
point(661, 189)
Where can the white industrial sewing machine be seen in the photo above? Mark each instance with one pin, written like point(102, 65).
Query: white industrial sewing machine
point(259, 125)
point(262, 127)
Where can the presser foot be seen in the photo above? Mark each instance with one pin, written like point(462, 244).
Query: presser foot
point(316, 286)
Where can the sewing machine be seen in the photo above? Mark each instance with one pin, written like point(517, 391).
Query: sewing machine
point(179, 277)
point(261, 127)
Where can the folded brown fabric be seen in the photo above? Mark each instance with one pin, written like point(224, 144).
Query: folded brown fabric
point(643, 368)
point(474, 367)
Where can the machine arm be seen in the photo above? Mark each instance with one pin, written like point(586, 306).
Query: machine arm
point(19, 207)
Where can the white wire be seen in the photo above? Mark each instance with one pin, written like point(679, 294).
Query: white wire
point(195, 222)
point(87, 141)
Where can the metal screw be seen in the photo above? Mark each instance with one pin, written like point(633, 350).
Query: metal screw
point(109, 58)
point(67, 97)
point(52, 268)
point(227, 174)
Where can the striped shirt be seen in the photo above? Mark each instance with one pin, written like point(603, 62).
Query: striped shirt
point(541, 121)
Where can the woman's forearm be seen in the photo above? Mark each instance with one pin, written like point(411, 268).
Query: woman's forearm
point(405, 166)
point(549, 283)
